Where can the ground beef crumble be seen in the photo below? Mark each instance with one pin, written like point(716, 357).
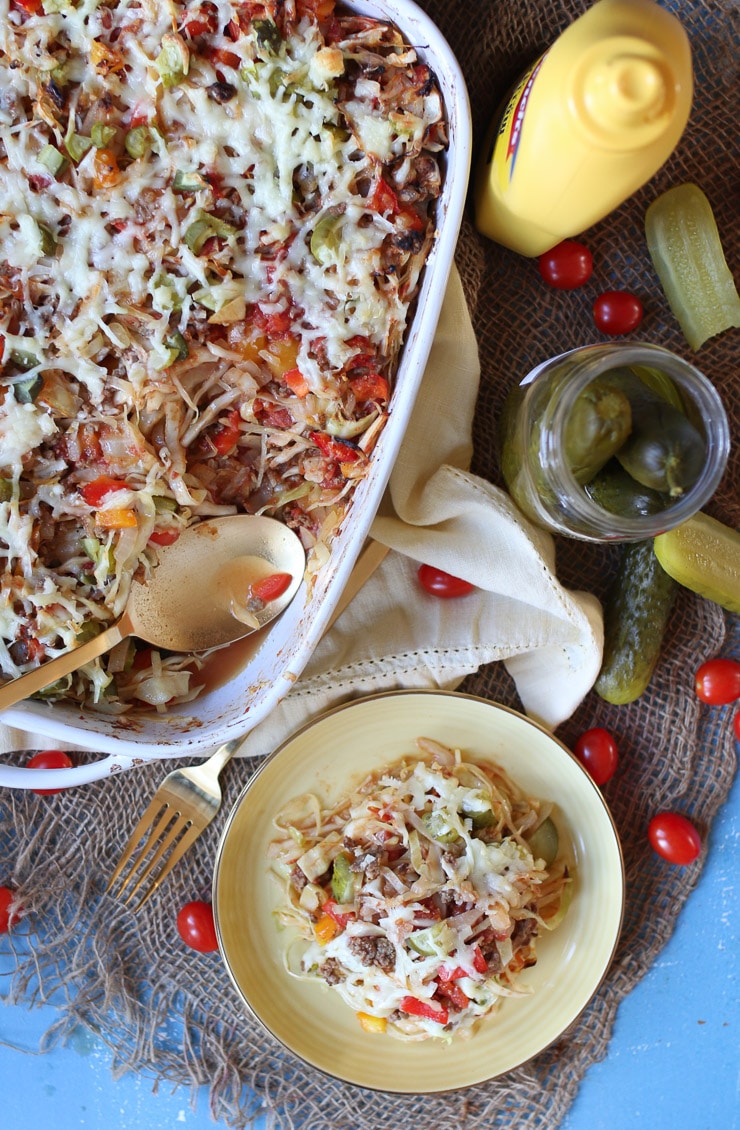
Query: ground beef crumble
point(373, 950)
point(331, 971)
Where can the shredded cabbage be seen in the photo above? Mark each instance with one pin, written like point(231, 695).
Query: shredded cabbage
point(164, 322)
point(427, 915)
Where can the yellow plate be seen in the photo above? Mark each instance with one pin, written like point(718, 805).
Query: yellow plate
point(331, 756)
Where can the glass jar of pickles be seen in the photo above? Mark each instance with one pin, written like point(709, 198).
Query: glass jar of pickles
point(613, 442)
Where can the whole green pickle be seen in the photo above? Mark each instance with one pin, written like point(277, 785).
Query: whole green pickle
point(636, 612)
point(616, 491)
point(597, 426)
point(665, 451)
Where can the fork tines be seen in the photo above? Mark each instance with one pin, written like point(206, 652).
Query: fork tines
point(168, 831)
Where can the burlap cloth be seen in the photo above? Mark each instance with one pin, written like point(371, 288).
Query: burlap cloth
point(173, 1014)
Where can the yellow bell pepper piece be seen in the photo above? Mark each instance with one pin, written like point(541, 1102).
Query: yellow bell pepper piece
point(116, 519)
point(325, 929)
point(372, 1023)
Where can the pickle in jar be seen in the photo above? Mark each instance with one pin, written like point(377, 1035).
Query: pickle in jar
point(606, 457)
point(665, 452)
point(597, 427)
point(616, 491)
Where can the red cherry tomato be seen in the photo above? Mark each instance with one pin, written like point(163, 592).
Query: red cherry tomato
point(597, 751)
point(7, 919)
point(438, 583)
point(49, 759)
point(718, 681)
point(674, 837)
point(566, 266)
point(196, 927)
point(617, 312)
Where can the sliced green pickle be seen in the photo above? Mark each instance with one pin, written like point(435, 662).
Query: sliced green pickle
point(439, 828)
point(703, 555)
point(77, 145)
point(102, 135)
point(268, 34)
point(476, 808)
point(544, 842)
point(342, 879)
point(52, 159)
point(88, 631)
point(686, 251)
point(480, 819)
point(27, 391)
point(433, 940)
point(326, 239)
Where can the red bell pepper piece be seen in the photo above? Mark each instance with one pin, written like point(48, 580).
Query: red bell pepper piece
point(275, 324)
point(369, 386)
point(221, 55)
point(359, 341)
point(341, 919)
point(479, 962)
point(296, 382)
point(448, 974)
point(384, 198)
point(410, 220)
point(454, 994)
point(271, 587)
point(202, 21)
point(334, 449)
point(142, 659)
point(381, 813)
point(95, 491)
point(415, 1007)
point(164, 537)
point(226, 435)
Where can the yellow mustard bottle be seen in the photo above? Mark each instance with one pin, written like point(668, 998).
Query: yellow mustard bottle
point(587, 125)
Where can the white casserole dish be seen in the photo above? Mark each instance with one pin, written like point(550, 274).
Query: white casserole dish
point(235, 708)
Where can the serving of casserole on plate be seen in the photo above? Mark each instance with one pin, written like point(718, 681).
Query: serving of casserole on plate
point(518, 989)
point(226, 233)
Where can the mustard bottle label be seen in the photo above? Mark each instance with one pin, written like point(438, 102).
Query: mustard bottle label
point(509, 134)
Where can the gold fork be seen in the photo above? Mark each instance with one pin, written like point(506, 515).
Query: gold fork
point(188, 799)
point(183, 806)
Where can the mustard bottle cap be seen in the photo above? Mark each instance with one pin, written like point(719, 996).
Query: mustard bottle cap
point(624, 93)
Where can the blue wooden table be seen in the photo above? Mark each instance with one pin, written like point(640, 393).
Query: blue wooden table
point(673, 1061)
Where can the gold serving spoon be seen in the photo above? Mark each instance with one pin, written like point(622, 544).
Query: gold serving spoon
point(196, 598)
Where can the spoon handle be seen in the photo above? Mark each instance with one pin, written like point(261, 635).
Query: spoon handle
point(62, 665)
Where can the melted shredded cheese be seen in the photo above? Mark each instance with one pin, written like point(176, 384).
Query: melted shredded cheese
point(212, 223)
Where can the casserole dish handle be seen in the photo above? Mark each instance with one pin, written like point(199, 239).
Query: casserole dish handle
point(18, 777)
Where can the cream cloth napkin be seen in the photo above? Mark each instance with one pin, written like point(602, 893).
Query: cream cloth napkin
point(393, 635)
